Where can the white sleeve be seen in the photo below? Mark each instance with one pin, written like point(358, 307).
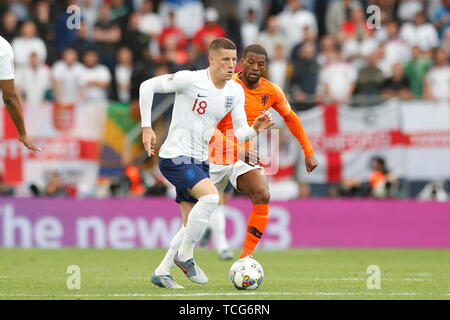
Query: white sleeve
point(241, 129)
point(7, 65)
point(168, 83)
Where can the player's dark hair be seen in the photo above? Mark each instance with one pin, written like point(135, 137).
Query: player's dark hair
point(222, 43)
point(256, 48)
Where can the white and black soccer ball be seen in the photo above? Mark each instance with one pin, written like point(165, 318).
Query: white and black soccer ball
point(246, 274)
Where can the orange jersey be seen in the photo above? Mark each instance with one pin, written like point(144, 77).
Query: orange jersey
point(258, 100)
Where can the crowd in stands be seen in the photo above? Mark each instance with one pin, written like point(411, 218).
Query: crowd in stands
point(320, 51)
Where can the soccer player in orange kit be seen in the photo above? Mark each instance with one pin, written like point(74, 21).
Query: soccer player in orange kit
point(226, 152)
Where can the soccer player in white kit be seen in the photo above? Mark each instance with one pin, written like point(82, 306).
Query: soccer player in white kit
point(10, 96)
point(202, 99)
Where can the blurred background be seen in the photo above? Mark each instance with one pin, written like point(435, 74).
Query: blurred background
point(372, 88)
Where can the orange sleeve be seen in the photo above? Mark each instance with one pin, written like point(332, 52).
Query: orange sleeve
point(295, 126)
point(282, 106)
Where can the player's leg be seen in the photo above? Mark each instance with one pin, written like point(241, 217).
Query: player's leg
point(217, 224)
point(167, 263)
point(161, 276)
point(254, 185)
point(190, 177)
point(197, 221)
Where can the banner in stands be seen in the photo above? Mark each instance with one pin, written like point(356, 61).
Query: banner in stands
point(69, 137)
point(151, 223)
point(413, 138)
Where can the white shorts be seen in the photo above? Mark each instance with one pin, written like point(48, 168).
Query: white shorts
point(220, 174)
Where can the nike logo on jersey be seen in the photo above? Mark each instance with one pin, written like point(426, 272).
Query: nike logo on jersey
point(200, 96)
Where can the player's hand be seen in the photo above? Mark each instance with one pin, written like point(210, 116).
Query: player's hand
point(263, 122)
point(149, 140)
point(310, 163)
point(27, 143)
point(249, 156)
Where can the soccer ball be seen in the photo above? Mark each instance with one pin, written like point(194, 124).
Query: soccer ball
point(246, 274)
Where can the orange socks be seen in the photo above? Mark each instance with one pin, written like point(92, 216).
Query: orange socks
point(255, 227)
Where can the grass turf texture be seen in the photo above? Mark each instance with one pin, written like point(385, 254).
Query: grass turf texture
point(290, 274)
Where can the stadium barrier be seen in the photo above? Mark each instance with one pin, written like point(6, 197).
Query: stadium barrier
point(151, 223)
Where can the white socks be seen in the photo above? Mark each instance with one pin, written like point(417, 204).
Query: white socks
point(217, 225)
point(167, 264)
point(196, 224)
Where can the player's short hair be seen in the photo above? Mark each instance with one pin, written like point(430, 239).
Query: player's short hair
point(256, 48)
point(222, 43)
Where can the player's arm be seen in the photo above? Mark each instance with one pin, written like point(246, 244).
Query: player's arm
point(167, 83)
point(12, 102)
point(294, 124)
point(242, 130)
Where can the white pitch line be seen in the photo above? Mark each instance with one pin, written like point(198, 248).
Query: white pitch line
point(216, 294)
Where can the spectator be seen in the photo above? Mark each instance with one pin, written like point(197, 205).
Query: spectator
point(437, 79)
point(249, 29)
point(293, 19)
point(258, 7)
point(5, 189)
point(150, 23)
point(83, 43)
point(395, 49)
point(20, 9)
point(397, 86)
point(89, 11)
point(337, 79)
point(66, 74)
point(172, 54)
point(327, 47)
point(107, 35)
point(189, 14)
point(278, 67)
point(135, 39)
point(355, 26)
point(407, 9)
point(45, 27)
point(26, 43)
point(172, 31)
point(55, 187)
point(33, 81)
point(95, 80)
point(309, 36)
point(446, 42)
point(441, 18)
point(434, 191)
point(382, 183)
point(420, 33)
point(9, 26)
point(337, 13)
point(119, 12)
point(369, 83)
point(271, 36)
point(416, 69)
point(305, 75)
point(122, 74)
point(210, 31)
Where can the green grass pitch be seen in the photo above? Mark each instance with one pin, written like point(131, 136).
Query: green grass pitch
point(289, 274)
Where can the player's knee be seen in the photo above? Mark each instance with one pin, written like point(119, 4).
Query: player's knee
point(260, 196)
point(210, 200)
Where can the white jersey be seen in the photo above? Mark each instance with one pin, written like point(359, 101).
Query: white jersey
point(6, 60)
point(198, 107)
